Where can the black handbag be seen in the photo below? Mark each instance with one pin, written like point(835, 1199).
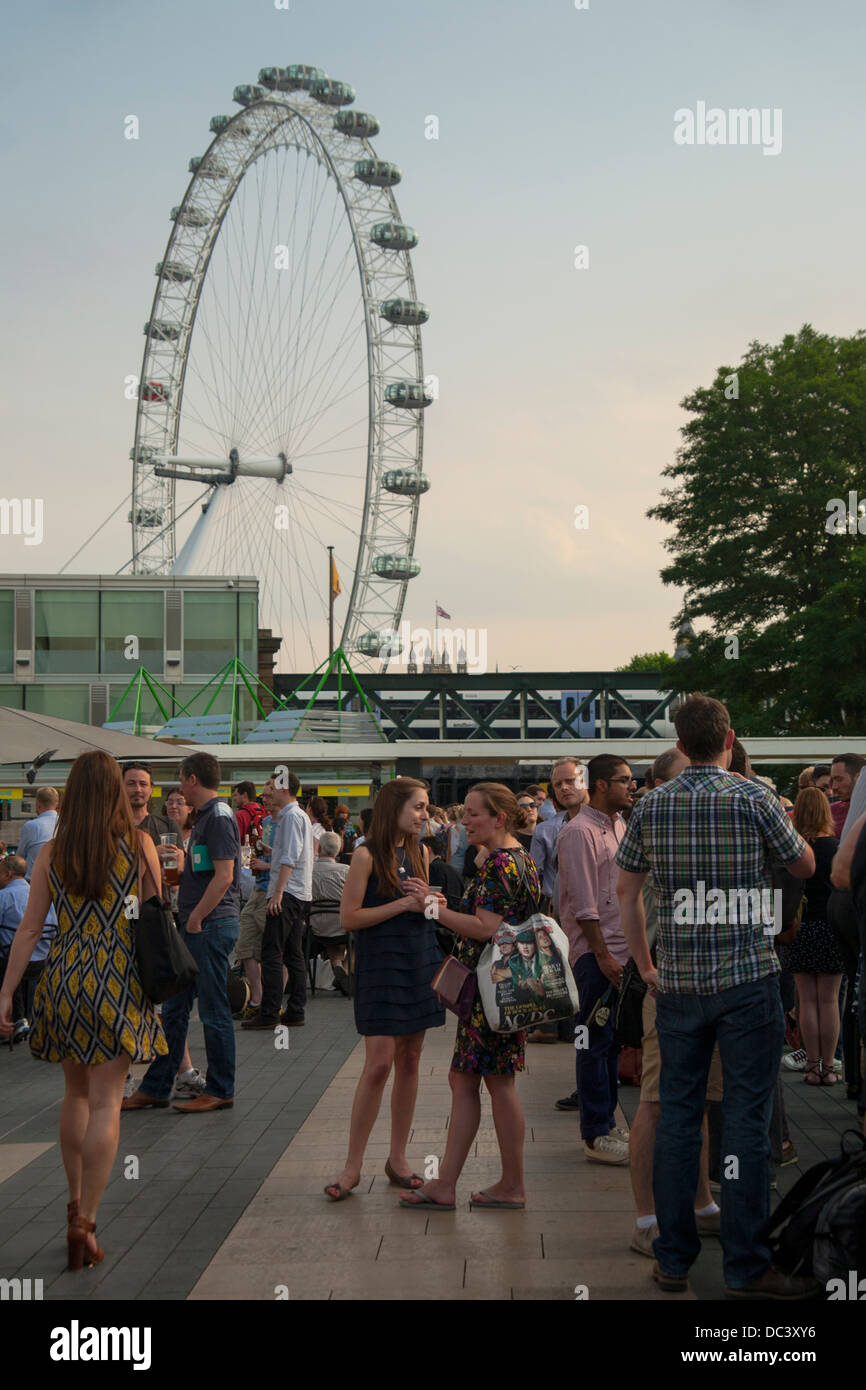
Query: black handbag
point(628, 1010)
point(165, 963)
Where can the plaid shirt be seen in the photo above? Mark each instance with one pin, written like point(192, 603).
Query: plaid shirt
point(708, 827)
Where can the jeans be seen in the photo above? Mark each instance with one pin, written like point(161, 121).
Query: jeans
point(283, 943)
point(210, 948)
point(597, 1066)
point(748, 1022)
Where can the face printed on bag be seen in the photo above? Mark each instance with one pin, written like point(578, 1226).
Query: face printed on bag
point(526, 949)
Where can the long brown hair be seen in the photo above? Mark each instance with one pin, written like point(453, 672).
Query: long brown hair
point(95, 816)
point(317, 809)
point(383, 834)
point(812, 816)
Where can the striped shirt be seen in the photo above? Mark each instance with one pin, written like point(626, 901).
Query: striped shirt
point(709, 830)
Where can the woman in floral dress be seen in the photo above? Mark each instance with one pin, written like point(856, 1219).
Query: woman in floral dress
point(505, 889)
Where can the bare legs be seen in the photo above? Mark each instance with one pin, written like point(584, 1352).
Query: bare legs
point(90, 1128)
point(253, 972)
point(641, 1144)
point(818, 1016)
point(463, 1127)
point(407, 1054)
point(381, 1054)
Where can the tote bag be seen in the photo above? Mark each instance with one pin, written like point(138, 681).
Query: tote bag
point(524, 977)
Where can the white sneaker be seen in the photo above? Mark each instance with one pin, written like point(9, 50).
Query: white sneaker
point(190, 1088)
point(605, 1148)
point(622, 1134)
point(837, 1064)
point(130, 1086)
point(642, 1240)
point(795, 1061)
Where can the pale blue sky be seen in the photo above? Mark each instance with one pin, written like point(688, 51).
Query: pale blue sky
point(558, 386)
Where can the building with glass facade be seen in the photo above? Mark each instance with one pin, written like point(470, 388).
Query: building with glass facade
point(69, 645)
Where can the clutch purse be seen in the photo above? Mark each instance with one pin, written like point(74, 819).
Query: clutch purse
point(455, 985)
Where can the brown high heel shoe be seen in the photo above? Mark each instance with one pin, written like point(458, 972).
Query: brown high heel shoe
point(76, 1240)
point(72, 1211)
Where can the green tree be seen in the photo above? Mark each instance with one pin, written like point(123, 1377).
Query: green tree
point(769, 447)
point(648, 661)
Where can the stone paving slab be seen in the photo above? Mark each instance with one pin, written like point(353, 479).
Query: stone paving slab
point(231, 1205)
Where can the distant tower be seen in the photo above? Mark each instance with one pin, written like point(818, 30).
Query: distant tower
point(428, 659)
point(461, 660)
point(685, 636)
point(413, 663)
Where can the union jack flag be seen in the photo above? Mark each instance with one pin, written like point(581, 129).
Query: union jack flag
point(440, 612)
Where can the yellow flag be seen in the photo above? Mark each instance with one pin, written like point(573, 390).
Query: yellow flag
point(335, 580)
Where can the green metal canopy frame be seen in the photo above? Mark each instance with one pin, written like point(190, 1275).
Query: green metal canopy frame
point(336, 661)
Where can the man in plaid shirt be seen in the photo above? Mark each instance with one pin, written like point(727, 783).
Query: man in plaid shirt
point(717, 979)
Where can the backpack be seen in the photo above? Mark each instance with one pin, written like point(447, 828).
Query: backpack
point(819, 1228)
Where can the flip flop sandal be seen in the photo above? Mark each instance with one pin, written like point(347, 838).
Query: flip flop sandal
point(343, 1191)
point(424, 1201)
point(396, 1181)
point(494, 1203)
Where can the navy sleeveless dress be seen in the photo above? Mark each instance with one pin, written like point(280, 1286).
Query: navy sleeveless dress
point(394, 964)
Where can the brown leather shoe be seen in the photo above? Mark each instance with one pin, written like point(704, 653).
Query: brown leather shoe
point(139, 1101)
point(205, 1102)
point(773, 1284)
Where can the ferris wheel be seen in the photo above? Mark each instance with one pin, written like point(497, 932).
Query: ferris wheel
point(282, 389)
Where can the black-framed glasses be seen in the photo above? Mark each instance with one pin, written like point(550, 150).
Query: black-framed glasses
point(626, 781)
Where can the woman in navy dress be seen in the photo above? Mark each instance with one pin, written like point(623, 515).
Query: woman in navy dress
point(396, 957)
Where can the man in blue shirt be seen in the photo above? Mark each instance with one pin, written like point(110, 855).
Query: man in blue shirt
point(208, 904)
point(38, 831)
point(14, 893)
point(290, 889)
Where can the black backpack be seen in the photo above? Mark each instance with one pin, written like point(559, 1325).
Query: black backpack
point(819, 1228)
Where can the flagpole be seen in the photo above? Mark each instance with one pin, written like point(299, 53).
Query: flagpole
point(435, 628)
point(330, 600)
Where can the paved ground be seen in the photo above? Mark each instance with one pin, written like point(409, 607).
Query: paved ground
point(230, 1205)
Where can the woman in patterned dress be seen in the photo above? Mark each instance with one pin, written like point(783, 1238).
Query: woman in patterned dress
point(505, 889)
point(90, 1012)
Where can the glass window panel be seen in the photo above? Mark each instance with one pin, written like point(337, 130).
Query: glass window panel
point(61, 701)
point(210, 623)
point(248, 620)
point(126, 615)
point(7, 630)
point(12, 696)
point(67, 627)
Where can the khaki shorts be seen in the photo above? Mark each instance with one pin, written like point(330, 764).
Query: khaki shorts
point(652, 1061)
point(254, 916)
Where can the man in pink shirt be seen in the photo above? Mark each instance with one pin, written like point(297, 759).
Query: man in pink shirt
point(589, 914)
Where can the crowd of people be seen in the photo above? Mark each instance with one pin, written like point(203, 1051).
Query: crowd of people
point(260, 887)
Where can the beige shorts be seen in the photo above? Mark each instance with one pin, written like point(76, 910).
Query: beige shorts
point(652, 1061)
point(254, 916)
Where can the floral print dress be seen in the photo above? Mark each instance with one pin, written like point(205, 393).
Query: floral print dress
point(507, 884)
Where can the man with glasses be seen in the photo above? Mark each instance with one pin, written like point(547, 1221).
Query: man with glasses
point(589, 914)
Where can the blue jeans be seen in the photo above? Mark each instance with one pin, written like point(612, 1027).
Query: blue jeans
point(596, 1066)
point(748, 1022)
point(210, 948)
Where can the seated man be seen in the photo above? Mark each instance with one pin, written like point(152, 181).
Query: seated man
point(14, 893)
point(329, 878)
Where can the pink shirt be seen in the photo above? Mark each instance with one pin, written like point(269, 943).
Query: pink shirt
point(588, 875)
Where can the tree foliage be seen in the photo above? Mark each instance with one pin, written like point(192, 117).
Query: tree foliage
point(648, 661)
point(768, 448)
